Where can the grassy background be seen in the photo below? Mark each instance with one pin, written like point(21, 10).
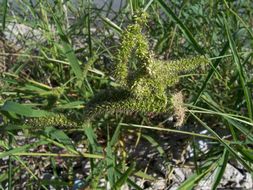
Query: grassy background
point(45, 68)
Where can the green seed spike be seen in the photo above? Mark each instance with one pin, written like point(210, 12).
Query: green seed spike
point(133, 44)
point(143, 86)
point(184, 65)
point(59, 120)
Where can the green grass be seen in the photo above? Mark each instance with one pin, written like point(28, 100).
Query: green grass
point(74, 59)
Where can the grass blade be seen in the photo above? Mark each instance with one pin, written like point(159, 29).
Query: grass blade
point(22, 148)
point(246, 152)
point(60, 136)
point(89, 29)
point(234, 120)
point(125, 176)
point(23, 110)
point(166, 130)
point(220, 169)
point(116, 134)
point(10, 167)
point(110, 162)
point(5, 7)
point(114, 26)
point(129, 181)
point(195, 178)
point(248, 28)
point(182, 27)
point(230, 149)
point(211, 73)
point(148, 5)
point(154, 143)
point(92, 139)
point(68, 51)
point(242, 74)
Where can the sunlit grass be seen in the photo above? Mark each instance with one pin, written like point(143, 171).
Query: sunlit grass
point(74, 59)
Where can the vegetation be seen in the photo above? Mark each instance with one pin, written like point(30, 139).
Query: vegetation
point(74, 74)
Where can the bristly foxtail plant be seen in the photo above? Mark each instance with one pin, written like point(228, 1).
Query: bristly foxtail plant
point(144, 81)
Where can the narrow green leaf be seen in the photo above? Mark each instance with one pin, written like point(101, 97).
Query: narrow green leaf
point(5, 7)
point(154, 143)
point(110, 162)
point(195, 178)
point(211, 73)
point(167, 130)
point(10, 163)
point(116, 134)
point(131, 3)
point(22, 148)
point(182, 27)
point(23, 110)
point(60, 136)
point(229, 148)
point(125, 176)
point(242, 74)
point(220, 169)
point(234, 121)
point(91, 137)
point(4, 175)
point(247, 26)
point(89, 29)
point(246, 152)
point(129, 181)
point(68, 51)
point(71, 105)
point(191, 181)
point(148, 5)
point(114, 26)
point(89, 63)
point(144, 175)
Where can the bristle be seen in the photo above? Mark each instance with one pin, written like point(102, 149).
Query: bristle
point(145, 86)
point(56, 120)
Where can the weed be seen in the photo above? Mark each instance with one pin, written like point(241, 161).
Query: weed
point(65, 63)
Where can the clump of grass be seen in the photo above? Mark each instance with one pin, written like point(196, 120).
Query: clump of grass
point(67, 68)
